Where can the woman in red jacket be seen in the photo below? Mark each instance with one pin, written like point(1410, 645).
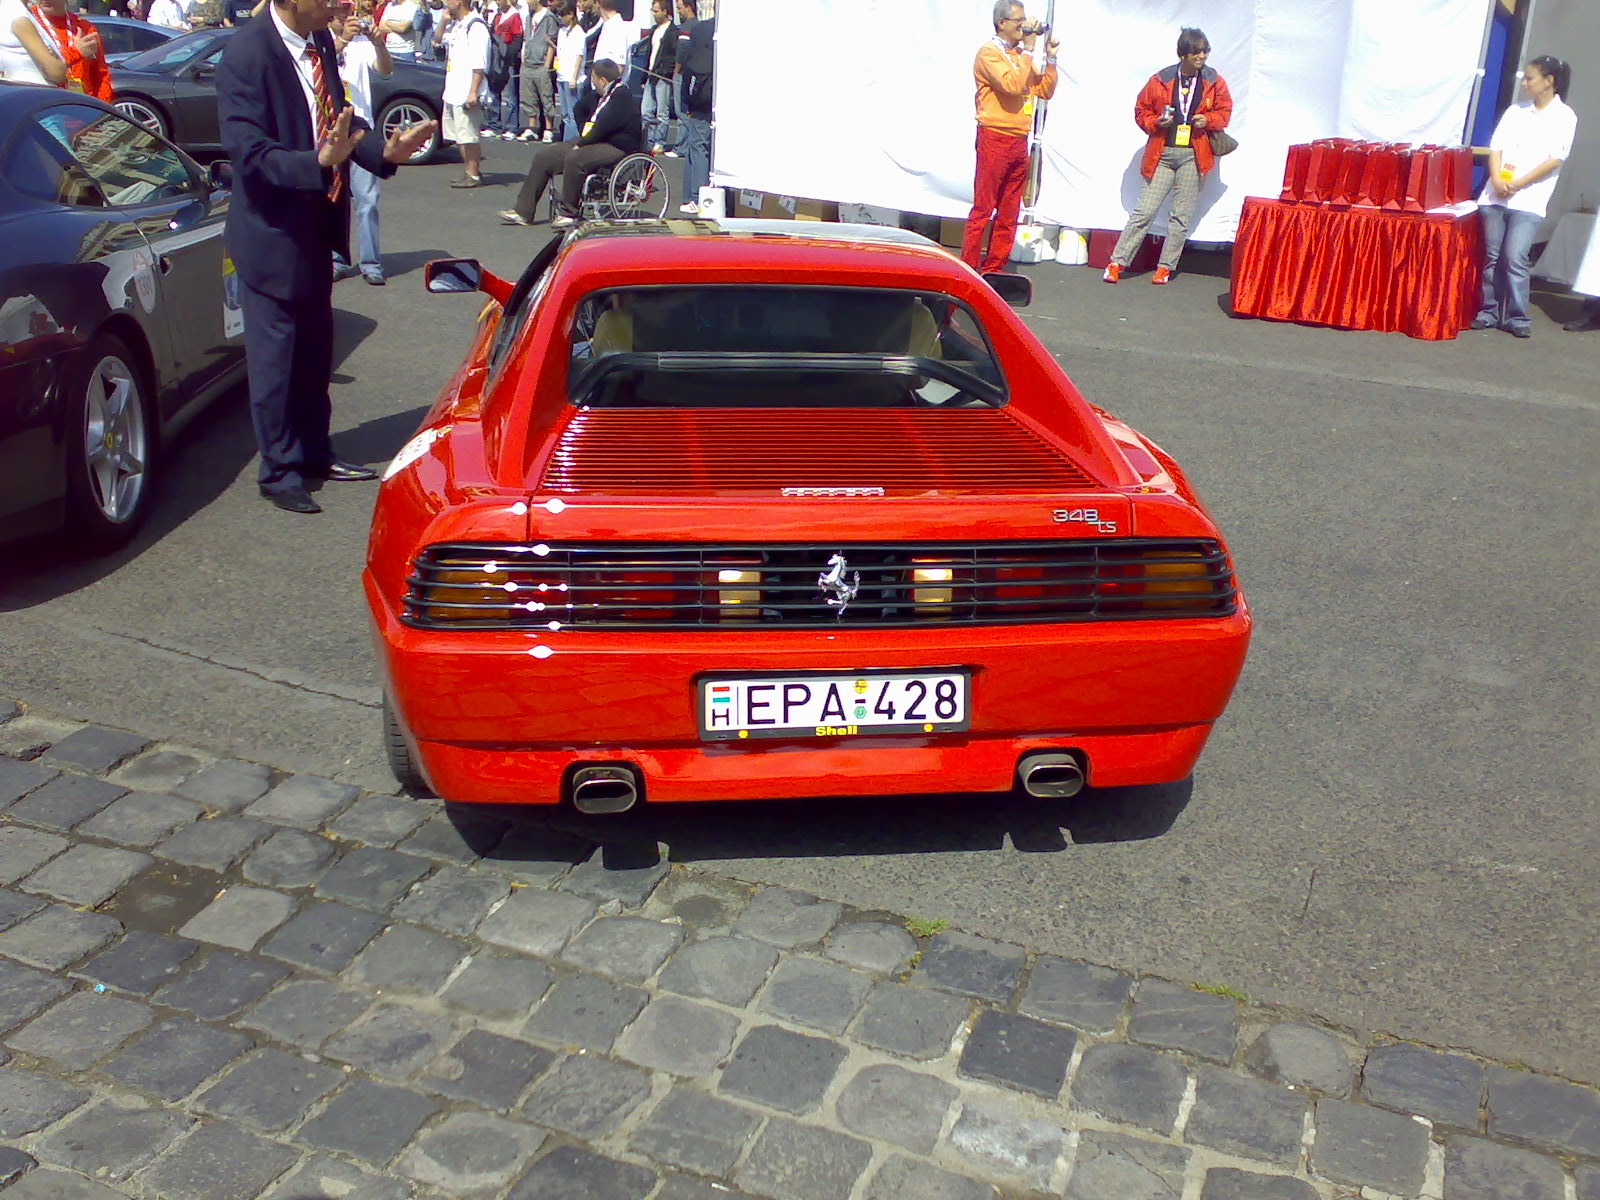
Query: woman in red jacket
point(1180, 107)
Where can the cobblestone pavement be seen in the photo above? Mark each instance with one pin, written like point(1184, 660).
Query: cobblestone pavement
point(218, 982)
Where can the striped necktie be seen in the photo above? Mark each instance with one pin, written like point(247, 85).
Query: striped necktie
point(319, 85)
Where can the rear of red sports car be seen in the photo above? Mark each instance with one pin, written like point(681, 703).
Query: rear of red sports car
point(716, 513)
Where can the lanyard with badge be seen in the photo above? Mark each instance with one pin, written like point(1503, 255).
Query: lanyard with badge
point(1187, 92)
point(60, 41)
point(1008, 51)
point(588, 125)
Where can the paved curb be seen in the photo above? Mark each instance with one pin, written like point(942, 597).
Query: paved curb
point(218, 981)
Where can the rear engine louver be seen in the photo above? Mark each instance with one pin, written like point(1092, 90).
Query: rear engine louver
point(612, 451)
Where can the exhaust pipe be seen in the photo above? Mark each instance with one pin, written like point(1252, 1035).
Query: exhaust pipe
point(598, 790)
point(1051, 776)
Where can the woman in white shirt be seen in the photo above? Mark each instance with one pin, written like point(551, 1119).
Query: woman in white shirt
point(26, 54)
point(570, 65)
point(1525, 155)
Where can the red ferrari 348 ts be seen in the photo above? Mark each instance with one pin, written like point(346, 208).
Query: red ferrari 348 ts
point(740, 509)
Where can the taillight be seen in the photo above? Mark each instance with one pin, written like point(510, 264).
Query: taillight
point(1161, 579)
point(622, 595)
point(465, 591)
point(932, 587)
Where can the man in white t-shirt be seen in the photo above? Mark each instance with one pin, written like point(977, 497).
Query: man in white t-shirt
point(169, 14)
point(616, 39)
point(398, 18)
point(467, 61)
point(363, 53)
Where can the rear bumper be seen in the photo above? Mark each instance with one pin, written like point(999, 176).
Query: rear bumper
point(871, 767)
point(491, 722)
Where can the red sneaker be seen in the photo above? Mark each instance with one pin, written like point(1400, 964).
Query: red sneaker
point(1113, 273)
point(1162, 275)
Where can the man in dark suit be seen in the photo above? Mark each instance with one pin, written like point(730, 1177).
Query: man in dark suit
point(289, 134)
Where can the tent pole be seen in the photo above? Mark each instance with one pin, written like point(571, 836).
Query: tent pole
point(1477, 86)
point(1035, 181)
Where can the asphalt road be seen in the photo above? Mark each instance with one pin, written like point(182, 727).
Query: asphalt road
point(1395, 827)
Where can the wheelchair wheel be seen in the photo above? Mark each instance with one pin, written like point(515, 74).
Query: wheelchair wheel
point(639, 189)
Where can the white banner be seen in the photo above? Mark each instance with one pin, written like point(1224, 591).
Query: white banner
point(871, 101)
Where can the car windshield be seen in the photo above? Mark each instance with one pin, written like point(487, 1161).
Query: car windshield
point(779, 347)
point(170, 55)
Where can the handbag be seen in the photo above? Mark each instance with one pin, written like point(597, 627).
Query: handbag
point(1223, 142)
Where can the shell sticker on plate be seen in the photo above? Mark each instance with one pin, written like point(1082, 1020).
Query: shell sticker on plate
point(830, 705)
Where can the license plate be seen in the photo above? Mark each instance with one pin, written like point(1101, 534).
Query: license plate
point(821, 705)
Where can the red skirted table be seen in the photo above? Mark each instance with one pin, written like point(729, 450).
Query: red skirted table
point(1358, 268)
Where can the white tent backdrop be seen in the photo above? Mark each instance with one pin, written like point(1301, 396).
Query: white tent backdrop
point(870, 101)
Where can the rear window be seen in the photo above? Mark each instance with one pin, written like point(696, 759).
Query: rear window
point(779, 347)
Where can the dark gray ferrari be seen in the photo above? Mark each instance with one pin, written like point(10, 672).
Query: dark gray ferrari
point(119, 315)
point(172, 90)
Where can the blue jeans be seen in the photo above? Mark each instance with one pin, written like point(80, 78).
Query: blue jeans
point(696, 149)
point(1507, 240)
point(656, 108)
point(567, 96)
point(504, 110)
point(364, 190)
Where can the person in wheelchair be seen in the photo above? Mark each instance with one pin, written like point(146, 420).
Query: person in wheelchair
point(609, 129)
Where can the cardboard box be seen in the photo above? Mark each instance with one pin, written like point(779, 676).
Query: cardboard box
point(777, 208)
point(746, 203)
point(869, 214)
point(951, 231)
point(815, 210)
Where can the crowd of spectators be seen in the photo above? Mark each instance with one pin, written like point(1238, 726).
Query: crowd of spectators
point(582, 78)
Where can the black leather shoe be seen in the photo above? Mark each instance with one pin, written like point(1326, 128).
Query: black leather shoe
point(296, 500)
point(1583, 323)
point(339, 471)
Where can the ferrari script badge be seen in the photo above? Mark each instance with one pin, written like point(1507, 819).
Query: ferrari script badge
point(837, 589)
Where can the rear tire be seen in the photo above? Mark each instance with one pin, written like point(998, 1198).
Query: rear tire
point(403, 112)
point(111, 444)
point(137, 108)
point(401, 761)
point(639, 189)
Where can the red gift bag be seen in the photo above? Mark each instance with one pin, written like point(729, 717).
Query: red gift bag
point(1352, 172)
point(1424, 180)
point(1294, 173)
point(1322, 175)
point(1460, 178)
point(1381, 183)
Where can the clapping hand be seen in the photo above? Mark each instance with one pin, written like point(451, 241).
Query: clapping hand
point(403, 143)
point(340, 142)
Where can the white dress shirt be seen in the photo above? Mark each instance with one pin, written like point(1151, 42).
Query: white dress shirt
point(296, 46)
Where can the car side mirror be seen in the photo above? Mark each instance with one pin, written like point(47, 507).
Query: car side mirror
point(188, 215)
point(464, 275)
point(453, 275)
point(1015, 290)
point(220, 175)
point(205, 73)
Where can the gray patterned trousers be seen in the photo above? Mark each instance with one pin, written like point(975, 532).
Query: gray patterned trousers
point(1175, 173)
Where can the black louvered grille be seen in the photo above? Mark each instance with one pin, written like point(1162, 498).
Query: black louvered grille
point(594, 586)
